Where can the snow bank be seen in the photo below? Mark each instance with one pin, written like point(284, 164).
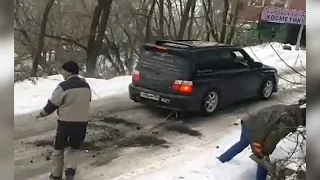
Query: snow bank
point(29, 97)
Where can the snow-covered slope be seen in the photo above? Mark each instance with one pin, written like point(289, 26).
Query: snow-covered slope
point(29, 97)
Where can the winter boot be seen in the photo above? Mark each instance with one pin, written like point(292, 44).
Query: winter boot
point(70, 173)
point(55, 177)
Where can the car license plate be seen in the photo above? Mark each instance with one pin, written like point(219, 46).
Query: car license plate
point(165, 100)
point(150, 96)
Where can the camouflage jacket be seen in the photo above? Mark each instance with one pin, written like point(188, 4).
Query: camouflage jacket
point(271, 124)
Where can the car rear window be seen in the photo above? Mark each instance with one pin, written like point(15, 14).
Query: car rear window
point(163, 63)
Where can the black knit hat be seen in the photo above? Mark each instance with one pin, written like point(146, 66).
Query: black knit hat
point(71, 67)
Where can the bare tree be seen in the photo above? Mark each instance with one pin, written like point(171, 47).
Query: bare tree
point(161, 17)
point(148, 25)
point(209, 21)
point(171, 20)
point(191, 20)
point(185, 18)
point(108, 31)
point(96, 34)
point(234, 19)
point(41, 38)
point(224, 21)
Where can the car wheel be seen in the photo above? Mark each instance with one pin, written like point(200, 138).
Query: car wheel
point(267, 88)
point(210, 102)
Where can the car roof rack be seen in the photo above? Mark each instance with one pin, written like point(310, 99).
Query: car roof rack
point(183, 44)
point(162, 42)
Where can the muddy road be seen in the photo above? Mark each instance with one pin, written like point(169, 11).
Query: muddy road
point(123, 134)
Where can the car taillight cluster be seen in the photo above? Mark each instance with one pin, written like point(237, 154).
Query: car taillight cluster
point(183, 87)
point(161, 49)
point(135, 76)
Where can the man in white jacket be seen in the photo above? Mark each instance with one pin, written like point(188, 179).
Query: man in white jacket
point(71, 99)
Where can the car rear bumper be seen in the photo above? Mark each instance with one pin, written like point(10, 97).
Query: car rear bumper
point(174, 102)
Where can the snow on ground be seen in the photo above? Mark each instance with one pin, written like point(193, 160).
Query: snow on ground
point(32, 97)
point(199, 166)
point(205, 165)
point(29, 97)
point(268, 56)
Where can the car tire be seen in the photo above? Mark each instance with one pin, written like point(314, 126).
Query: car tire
point(266, 89)
point(134, 99)
point(210, 102)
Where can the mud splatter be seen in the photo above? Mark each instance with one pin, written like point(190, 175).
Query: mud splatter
point(115, 120)
point(142, 141)
point(183, 129)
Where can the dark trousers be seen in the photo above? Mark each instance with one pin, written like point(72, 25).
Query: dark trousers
point(70, 134)
point(243, 143)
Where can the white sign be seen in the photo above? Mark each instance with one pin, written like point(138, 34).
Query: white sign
point(283, 15)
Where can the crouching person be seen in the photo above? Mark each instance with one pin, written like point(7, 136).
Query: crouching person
point(264, 130)
point(71, 99)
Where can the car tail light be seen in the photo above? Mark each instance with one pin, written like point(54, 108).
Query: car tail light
point(135, 76)
point(183, 87)
point(161, 49)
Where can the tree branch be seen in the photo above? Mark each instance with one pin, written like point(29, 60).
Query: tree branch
point(58, 38)
point(67, 40)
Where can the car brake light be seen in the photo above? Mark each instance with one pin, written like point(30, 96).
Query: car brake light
point(161, 49)
point(135, 76)
point(183, 87)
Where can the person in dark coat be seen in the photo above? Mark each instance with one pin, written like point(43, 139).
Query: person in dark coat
point(71, 99)
point(264, 130)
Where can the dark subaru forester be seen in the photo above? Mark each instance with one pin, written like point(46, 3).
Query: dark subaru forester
point(198, 76)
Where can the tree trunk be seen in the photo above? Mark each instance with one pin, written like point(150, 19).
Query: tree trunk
point(207, 31)
point(171, 19)
point(95, 39)
point(209, 24)
point(43, 60)
point(106, 53)
point(90, 66)
point(234, 22)
point(50, 55)
point(129, 63)
point(93, 27)
point(191, 21)
point(161, 18)
point(43, 28)
point(50, 70)
point(224, 21)
point(185, 18)
point(119, 61)
point(148, 25)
